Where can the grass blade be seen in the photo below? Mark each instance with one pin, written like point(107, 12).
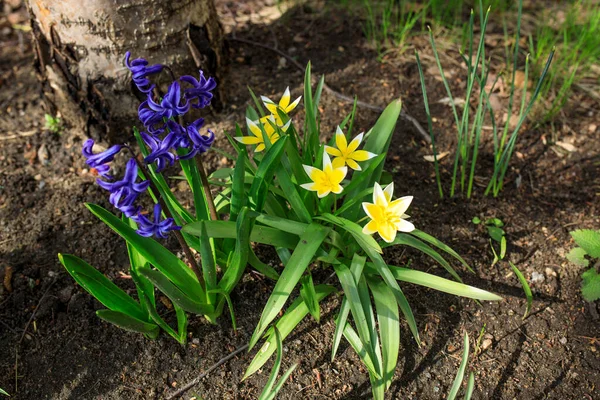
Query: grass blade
point(461, 370)
point(435, 242)
point(303, 254)
point(526, 288)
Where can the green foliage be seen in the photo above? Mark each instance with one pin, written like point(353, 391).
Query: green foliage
point(496, 234)
point(588, 241)
point(469, 127)
point(274, 197)
point(460, 374)
point(526, 288)
point(53, 124)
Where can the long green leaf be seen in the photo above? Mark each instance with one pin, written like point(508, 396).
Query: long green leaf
point(354, 229)
point(209, 268)
point(461, 370)
point(264, 174)
point(261, 267)
point(301, 258)
point(162, 323)
point(356, 267)
point(359, 347)
point(357, 308)
point(442, 246)
point(526, 288)
point(384, 271)
point(154, 252)
point(99, 286)
point(290, 319)
point(129, 323)
point(307, 292)
point(276, 366)
point(408, 240)
point(389, 327)
point(437, 283)
point(259, 234)
point(236, 268)
point(176, 295)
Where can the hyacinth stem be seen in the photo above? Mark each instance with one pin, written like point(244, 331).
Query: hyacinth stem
point(206, 185)
point(184, 246)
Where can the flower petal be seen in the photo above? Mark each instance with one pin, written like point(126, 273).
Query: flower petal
point(248, 139)
point(370, 228)
point(399, 206)
point(387, 232)
point(254, 129)
point(360, 155)
point(309, 186)
point(389, 191)
point(355, 143)
point(323, 191)
point(338, 162)
point(337, 189)
point(340, 140)
point(374, 211)
point(285, 99)
point(405, 226)
point(326, 161)
point(260, 147)
point(353, 164)
point(291, 107)
point(333, 151)
point(378, 196)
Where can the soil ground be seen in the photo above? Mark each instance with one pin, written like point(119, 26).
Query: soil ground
point(68, 353)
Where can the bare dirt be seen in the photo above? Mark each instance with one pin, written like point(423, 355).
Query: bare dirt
point(68, 353)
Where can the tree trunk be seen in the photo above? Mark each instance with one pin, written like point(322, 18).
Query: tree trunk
point(80, 47)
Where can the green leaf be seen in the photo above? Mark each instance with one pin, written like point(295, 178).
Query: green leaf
point(497, 222)
point(236, 267)
point(290, 319)
point(408, 240)
point(128, 322)
point(311, 133)
point(435, 242)
point(476, 220)
point(577, 257)
point(238, 195)
point(461, 370)
point(276, 366)
point(136, 260)
point(437, 283)
point(264, 174)
point(384, 271)
point(588, 240)
point(502, 247)
point(180, 336)
point(470, 387)
point(190, 170)
point(99, 286)
point(209, 268)
point(303, 254)
point(154, 252)
point(307, 292)
point(260, 234)
point(292, 195)
point(495, 233)
point(389, 327)
point(354, 229)
point(357, 308)
point(526, 288)
point(590, 288)
point(361, 350)
point(2, 390)
point(261, 267)
point(356, 267)
point(176, 295)
point(281, 382)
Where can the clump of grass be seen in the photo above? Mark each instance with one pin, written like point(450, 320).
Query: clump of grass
point(577, 41)
point(469, 127)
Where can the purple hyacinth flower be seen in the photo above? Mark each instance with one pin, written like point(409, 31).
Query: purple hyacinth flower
point(147, 227)
point(139, 72)
point(159, 150)
point(98, 161)
point(179, 134)
point(124, 192)
point(193, 139)
point(152, 113)
point(200, 90)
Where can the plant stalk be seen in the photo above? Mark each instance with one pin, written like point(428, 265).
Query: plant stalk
point(206, 186)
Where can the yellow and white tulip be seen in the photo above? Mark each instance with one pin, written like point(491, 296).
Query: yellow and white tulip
point(327, 180)
point(348, 154)
point(387, 216)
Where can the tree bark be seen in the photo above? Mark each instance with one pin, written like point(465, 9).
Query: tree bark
point(80, 47)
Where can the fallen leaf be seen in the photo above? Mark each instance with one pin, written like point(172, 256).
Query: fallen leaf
point(567, 146)
point(431, 158)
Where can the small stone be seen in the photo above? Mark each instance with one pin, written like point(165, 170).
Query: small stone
point(563, 340)
point(536, 277)
point(65, 294)
point(43, 155)
point(550, 272)
point(486, 343)
point(38, 177)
